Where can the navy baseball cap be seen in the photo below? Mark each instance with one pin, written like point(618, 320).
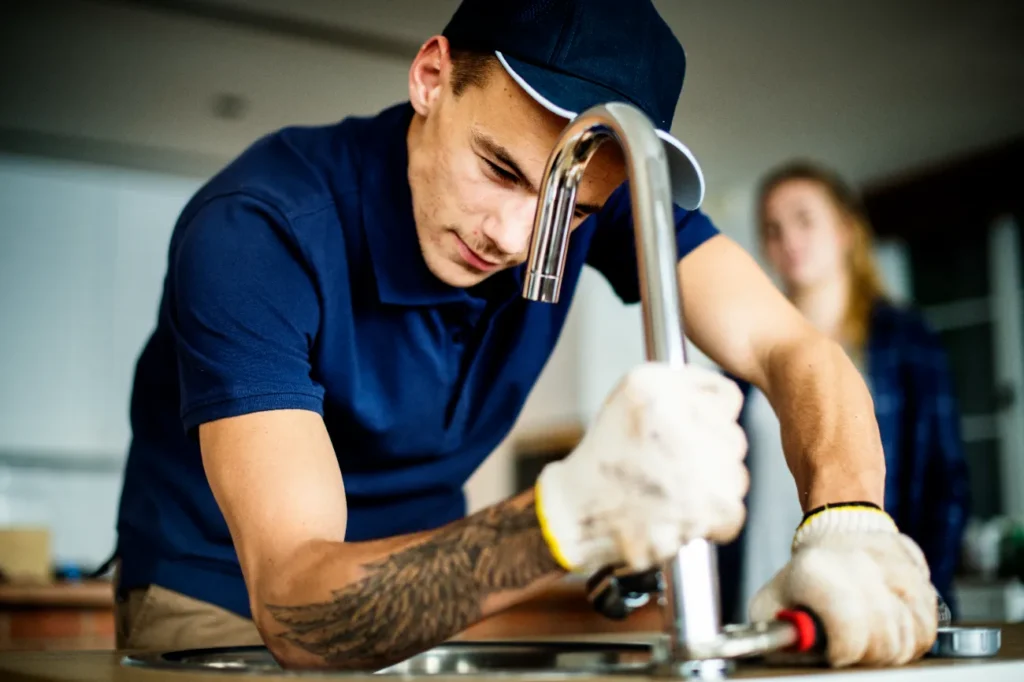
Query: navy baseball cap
point(570, 55)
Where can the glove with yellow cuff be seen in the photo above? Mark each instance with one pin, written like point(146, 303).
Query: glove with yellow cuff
point(868, 584)
point(662, 464)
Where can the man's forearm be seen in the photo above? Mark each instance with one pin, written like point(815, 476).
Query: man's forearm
point(829, 431)
point(408, 594)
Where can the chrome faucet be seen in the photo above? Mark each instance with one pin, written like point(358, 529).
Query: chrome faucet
point(690, 599)
point(689, 595)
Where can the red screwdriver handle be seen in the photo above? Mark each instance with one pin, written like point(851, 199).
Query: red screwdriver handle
point(810, 633)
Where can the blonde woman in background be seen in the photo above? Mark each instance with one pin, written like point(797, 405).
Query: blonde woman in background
point(816, 236)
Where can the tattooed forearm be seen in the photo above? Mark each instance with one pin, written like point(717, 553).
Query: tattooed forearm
point(424, 594)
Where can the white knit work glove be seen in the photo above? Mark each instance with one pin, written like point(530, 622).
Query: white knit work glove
point(868, 584)
point(662, 464)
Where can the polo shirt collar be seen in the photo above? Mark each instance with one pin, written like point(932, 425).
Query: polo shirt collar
point(402, 275)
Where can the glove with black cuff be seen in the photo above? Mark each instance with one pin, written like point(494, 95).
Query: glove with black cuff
point(868, 584)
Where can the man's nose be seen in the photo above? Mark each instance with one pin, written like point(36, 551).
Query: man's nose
point(510, 228)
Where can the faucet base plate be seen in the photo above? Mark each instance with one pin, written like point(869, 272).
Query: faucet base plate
point(709, 669)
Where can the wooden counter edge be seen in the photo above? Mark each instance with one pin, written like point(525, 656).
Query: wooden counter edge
point(95, 594)
point(105, 666)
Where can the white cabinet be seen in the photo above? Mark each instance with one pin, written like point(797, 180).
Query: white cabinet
point(82, 260)
point(54, 285)
point(82, 257)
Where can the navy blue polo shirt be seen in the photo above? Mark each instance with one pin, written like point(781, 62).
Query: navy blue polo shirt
point(295, 280)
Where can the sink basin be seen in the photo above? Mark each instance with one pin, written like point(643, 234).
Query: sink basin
point(536, 659)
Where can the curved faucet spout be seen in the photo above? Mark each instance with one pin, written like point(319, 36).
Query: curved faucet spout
point(690, 600)
point(651, 201)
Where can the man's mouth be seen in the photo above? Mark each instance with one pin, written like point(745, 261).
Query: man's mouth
point(473, 259)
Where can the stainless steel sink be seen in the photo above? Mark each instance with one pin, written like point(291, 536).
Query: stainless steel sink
point(502, 658)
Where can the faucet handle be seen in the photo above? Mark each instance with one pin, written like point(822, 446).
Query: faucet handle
point(615, 592)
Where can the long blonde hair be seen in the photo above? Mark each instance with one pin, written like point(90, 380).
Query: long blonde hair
point(866, 286)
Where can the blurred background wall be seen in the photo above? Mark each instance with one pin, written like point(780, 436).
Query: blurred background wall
point(113, 111)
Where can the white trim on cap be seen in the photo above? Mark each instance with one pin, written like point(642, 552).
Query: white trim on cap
point(666, 137)
point(565, 113)
point(685, 151)
point(543, 101)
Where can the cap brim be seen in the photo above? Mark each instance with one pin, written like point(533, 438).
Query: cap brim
point(567, 96)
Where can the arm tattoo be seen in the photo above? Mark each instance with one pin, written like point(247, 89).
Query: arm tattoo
point(424, 594)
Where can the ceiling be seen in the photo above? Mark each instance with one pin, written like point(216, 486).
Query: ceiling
point(874, 87)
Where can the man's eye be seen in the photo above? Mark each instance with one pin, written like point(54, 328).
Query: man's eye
point(503, 174)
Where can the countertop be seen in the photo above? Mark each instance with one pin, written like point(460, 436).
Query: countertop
point(104, 666)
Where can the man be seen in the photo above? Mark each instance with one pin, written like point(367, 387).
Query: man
point(342, 340)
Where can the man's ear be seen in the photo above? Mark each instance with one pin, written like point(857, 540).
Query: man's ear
point(428, 73)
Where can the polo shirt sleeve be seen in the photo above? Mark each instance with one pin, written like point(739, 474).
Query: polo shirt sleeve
point(244, 314)
point(613, 246)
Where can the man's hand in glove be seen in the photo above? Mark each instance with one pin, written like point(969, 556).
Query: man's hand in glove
point(662, 464)
point(869, 585)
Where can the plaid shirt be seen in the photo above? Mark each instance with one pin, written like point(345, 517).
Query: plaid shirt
point(926, 490)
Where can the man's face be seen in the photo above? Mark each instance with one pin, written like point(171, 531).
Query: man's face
point(475, 163)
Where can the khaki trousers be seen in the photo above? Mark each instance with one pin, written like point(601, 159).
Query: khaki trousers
point(155, 618)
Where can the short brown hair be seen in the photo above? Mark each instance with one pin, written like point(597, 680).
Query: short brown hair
point(470, 68)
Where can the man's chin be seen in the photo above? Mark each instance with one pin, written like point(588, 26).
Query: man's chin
point(455, 274)
point(465, 279)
